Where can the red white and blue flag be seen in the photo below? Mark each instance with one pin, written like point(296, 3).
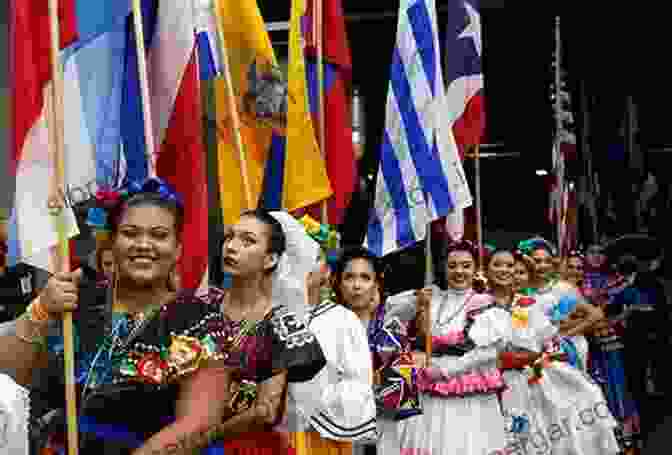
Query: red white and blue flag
point(104, 134)
point(465, 103)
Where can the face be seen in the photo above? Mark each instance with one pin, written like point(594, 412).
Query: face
point(146, 245)
point(107, 263)
point(460, 269)
point(543, 262)
point(358, 285)
point(574, 270)
point(246, 246)
point(521, 276)
point(501, 269)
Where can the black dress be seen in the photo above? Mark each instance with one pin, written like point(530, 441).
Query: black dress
point(132, 396)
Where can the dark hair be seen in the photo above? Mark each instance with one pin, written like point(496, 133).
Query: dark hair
point(148, 199)
point(277, 242)
point(494, 253)
point(100, 249)
point(349, 255)
point(526, 260)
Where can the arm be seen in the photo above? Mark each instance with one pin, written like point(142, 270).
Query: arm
point(347, 400)
point(201, 405)
point(490, 331)
point(263, 414)
point(592, 316)
point(21, 350)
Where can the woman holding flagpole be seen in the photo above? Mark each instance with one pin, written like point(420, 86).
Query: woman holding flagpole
point(460, 409)
point(137, 341)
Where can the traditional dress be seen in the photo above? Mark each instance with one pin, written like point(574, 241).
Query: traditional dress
point(122, 361)
point(336, 408)
point(460, 408)
point(257, 351)
point(391, 333)
point(14, 416)
point(551, 406)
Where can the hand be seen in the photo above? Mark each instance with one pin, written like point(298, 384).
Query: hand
point(424, 298)
point(61, 293)
point(420, 359)
point(315, 281)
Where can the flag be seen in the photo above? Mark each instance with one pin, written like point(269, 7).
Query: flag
point(176, 106)
point(33, 234)
point(305, 180)
point(418, 156)
point(337, 71)
point(209, 62)
point(251, 61)
point(465, 102)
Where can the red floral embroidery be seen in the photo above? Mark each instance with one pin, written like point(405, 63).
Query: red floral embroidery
point(152, 368)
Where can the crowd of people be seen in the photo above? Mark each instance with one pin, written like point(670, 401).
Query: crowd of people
point(303, 352)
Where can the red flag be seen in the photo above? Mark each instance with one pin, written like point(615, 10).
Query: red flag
point(340, 156)
point(30, 72)
point(182, 164)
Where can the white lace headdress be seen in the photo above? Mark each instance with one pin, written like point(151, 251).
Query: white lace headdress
point(301, 257)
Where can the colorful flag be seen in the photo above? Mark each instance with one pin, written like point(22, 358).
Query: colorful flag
point(337, 73)
point(465, 101)
point(420, 177)
point(253, 66)
point(176, 111)
point(304, 174)
point(33, 233)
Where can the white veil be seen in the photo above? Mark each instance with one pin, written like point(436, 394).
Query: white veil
point(299, 259)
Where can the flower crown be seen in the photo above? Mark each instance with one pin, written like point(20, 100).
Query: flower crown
point(324, 234)
point(526, 247)
point(109, 201)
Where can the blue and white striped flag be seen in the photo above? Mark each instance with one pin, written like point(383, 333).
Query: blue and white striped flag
point(421, 176)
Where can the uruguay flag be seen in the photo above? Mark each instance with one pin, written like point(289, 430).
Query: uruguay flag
point(420, 176)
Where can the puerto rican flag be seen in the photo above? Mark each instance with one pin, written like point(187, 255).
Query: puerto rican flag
point(465, 103)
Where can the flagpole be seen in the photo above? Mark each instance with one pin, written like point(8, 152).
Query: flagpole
point(558, 127)
point(233, 108)
point(57, 206)
point(150, 150)
point(318, 34)
point(479, 213)
point(429, 279)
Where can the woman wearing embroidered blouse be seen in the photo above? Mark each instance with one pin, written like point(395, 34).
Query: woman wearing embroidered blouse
point(549, 405)
point(258, 325)
point(139, 387)
point(460, 409)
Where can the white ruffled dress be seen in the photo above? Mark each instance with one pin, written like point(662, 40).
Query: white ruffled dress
point(564, 412)
point(461, 411)
point(14, 412)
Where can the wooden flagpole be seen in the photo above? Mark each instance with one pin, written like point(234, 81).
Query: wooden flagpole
point(233, 108)
point(318, 35)
point(57, 206)
point(429, 278)
point(150, 149)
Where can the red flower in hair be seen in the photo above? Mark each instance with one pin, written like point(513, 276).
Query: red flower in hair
point(107, 198)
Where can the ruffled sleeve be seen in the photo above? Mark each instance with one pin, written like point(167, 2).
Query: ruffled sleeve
point(338, 402)
point(294, 347)
point(14, 411)
point(491, 328)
